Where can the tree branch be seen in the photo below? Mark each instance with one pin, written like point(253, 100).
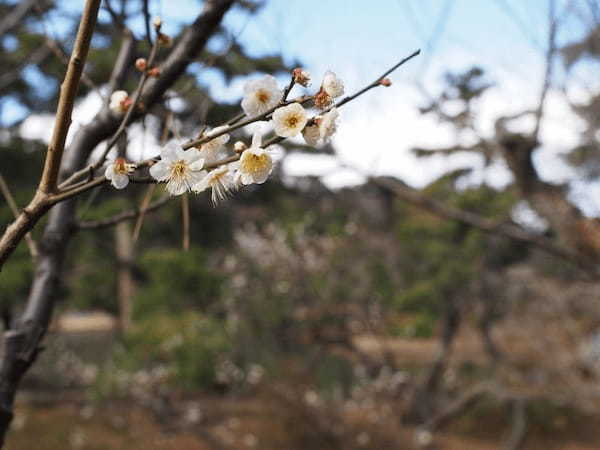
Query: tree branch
point(123, 216)
point(68, 91)
point(15, 210)
point(511, 231)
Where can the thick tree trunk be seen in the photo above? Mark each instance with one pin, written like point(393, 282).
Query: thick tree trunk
point(574, 231)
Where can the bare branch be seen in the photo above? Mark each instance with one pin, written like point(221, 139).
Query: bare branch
point(68, 91)
point(549, 65)
point(511, 231)
point(15, 210)
point(123, 216)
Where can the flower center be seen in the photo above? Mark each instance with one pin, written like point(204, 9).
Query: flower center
point(292, 121)
point(255, 163)
point(262, 96)
point(179, 169)
point(120, 166)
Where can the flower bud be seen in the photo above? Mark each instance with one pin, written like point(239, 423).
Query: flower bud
point(154, 72)
point(301, 77)
point(140, 64)
point(323, 99)
point(239, 147)
point(385, 82)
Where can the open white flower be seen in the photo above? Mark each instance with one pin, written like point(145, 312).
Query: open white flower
point(255, 164)
point(289, 120)
point(181, 169)
point(119, 102)
point(322, 128)
point(220, 180)
point(210, 149)
point(118, 172)
point(332, 84)
point(261, 95)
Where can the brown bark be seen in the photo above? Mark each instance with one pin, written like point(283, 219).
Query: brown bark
point(574, 231)
point(124, 251)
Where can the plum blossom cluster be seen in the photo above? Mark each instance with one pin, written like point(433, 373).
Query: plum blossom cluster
point(207, 163)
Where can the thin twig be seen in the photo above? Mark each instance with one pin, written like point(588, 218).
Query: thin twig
point(31, 244)
point(549, 65)
point(124, 216)
point(147, 22)
point(243, 123)
point(185, 222)
point(145, 205)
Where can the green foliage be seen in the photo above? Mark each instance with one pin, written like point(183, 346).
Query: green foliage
point(176, 280)
point(445, 256)
point(186, 348)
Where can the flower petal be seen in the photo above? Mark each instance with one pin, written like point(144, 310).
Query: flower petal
point(120, 181)
point(198, 164)
point(110, 171)
point(160, 171)
point(169, 151)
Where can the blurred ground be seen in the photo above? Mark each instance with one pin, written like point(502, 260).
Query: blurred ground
point(68, 418)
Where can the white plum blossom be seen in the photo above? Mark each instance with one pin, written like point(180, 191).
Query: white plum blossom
point(289, 120)
point(322, 128)
point(209, 150)
point(119, 102)
point(181, 169)
point(220, 180)
point(118, 172)
point(255, 164)
point(261, 95)
point(332, 84)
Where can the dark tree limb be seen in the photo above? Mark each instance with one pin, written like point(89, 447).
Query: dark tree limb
point(514, 232)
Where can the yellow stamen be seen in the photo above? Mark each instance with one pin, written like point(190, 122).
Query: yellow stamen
point(255, 163)
point(262, 96)
point(179, 169)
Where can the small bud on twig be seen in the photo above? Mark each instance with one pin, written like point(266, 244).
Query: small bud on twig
point(323, 99)
point(141, 64)
point(239, 147)
point(385, 82)
point(301, 77)
point(154, 72)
